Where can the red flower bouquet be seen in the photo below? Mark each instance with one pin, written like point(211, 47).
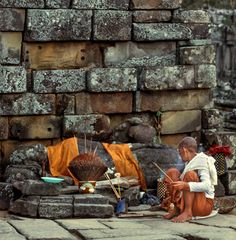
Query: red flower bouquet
point(219, 149)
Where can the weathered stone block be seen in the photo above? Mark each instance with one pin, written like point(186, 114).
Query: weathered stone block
point(93, 210)
point(205, 76)
point(11, 232)
point(26, 155)
point(232, 182)
point(88, 124)
point(72, 224)
point(59, 24)
point(165, 156)
point(132, 196)
point(195, 42)
point(27, 104)
point(172, 100)
point(173, 140)
point(57, 3)
point(197, 55)
point(35, 127)
point(55, 210)
point(176, 77)
point(21, 173)
point(90, 199)
point(191, 16)
point(27, 206)
point(37, 188)
point(101, 4)
point(151, 16)
point(6, 196)
point(9, 146)
point(160, 4)
point(61, 55)
point(112, 25)
point(57, 199)
point(181, 122)
point(22, 3)
point(65, 104)
point(58, 81)
point(161, 31)
point(112, 79)
point(12, 19)
point(119, 119)
point(199, 30)
point(3, 128)
point(10, 47)
point(36, 228)
point(12, 79)
point(211, 119)
point(103, 103)
point(142, 133)
point(130, 54)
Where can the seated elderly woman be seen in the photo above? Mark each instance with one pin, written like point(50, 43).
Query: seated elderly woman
point(192, 192)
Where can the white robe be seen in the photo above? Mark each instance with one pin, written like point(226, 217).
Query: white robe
point(205, 167)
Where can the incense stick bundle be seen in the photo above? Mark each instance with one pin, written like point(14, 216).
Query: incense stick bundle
point(87, 167)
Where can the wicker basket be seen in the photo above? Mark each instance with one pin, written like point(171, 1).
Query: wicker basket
point(161, 189)
point(220, 163)
point(225, 205)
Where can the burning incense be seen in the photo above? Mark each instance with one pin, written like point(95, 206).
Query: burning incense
point(94, 152)
point(85, 144)
point(163, 171)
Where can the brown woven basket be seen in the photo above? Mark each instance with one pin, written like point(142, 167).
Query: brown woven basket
point(224, 205)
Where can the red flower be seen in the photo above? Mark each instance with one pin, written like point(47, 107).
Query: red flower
point(219, 149)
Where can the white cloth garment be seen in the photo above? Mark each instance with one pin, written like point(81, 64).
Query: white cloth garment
point(206, 170)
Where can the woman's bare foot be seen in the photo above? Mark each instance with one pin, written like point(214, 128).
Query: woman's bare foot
point(183, 217)
point(172, 213)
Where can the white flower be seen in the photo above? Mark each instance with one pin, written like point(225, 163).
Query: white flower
point(117, 175)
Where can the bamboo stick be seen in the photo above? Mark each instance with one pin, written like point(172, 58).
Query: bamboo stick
point(113, 188)
point(163, 171)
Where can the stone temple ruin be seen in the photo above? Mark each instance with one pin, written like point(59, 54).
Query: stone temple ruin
point(127, 71)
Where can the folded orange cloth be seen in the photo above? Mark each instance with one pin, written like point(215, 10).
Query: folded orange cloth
point(60, 155)
point(125, 162)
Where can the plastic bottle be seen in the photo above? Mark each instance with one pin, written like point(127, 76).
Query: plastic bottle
point(201, 148)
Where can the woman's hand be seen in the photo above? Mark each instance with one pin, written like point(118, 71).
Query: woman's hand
point(179, 186)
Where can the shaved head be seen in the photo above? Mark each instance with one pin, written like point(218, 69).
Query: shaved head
point(189, 143)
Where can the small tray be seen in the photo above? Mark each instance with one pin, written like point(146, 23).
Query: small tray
point(52, 179)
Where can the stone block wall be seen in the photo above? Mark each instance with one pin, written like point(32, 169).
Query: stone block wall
point(72, 67)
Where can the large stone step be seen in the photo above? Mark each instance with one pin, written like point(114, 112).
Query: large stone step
point(63, 206)
point(93, 210)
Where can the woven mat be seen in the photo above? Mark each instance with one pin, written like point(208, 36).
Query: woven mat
point(213, 213)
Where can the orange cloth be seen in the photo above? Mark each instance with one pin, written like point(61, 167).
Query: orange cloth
point(202, 206)
point(60, 155)
point(125, 162)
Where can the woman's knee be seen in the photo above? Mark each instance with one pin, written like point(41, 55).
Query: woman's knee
point(191, 176)
point(173, 173)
